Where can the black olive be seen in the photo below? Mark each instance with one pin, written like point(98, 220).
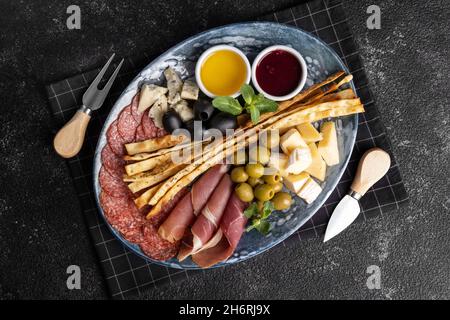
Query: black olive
point(196, 128)
point(203, 109)
point(171, 121)
point(223, 121)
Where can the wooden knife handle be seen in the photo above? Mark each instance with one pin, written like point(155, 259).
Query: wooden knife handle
point(374, 164)
point(69, 139)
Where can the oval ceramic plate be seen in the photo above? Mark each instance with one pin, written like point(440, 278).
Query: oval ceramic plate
point(251, 38)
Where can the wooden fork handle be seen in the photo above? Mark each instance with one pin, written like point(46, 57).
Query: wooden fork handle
point(69, 139)
point(374, 164)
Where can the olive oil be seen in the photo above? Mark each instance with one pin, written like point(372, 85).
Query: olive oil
point(223, 73)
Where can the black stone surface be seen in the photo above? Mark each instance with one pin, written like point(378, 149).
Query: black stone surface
point(41, 227)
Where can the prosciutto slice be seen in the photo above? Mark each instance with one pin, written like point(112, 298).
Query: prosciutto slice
point(226, 239)
point(207, 223)
point(183, 215)
point(204, 187)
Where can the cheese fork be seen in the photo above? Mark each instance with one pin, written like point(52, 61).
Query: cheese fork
point(69, 139)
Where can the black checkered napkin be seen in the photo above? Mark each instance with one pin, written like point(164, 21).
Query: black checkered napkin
point(127, 274)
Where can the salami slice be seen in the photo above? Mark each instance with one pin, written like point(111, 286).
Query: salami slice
point(150, 130)
point(156, 247)
point(134, 109)
point(135, 235)
point(123, 216)
point(112, 185)
point(113, 163)
point(161, 133)
point(119, 211)
point(140, 134)
point(115, 140)
point(117, 200)
point(126, 125)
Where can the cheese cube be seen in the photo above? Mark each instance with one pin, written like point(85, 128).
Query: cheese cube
point(309, 132)
point(189, 90)
point(310, 191)
point(174, 84)
point(158, 110)
point(318, 167)
point(184, 111)
point(175, 99)
point(284, 130)
point(328, 146)
point(299, 159)
point(150, 93)
point(279, 162)
point(295, 182)
point(291, 140)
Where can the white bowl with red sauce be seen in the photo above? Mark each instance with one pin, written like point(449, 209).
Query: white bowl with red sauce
point(279, 72)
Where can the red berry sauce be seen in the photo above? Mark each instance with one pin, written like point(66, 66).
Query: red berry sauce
point(278, 73)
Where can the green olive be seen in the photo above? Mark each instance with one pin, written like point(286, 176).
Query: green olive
point(264, 192)
point(239, 175)
point(282, 201)
point(254, 170)
point(244, 192)
point(259, 154)
point(277, 187)
point(254, 181)
point(272, 179)
point(270, 139)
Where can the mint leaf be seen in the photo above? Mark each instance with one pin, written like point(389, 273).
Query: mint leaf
point(247, 93)
point(267, 209)
point(255, 223)
point(263, 227)
point(251, 211)
point(264, 104)
point(254, 113)
point(228, 105)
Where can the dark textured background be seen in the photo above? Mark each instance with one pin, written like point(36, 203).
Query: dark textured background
point(41, 227)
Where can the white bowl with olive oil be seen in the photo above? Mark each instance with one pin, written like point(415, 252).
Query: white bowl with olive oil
point(222, 70)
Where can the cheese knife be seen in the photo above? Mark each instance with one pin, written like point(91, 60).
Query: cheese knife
point(374, 164)
point(69, 139)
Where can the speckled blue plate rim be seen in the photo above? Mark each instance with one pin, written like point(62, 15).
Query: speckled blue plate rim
point(113, 114)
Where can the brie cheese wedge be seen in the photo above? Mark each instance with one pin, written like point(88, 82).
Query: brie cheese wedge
point(310, 191)
point(291, 140)
point(299, 159)
point(279, 162)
